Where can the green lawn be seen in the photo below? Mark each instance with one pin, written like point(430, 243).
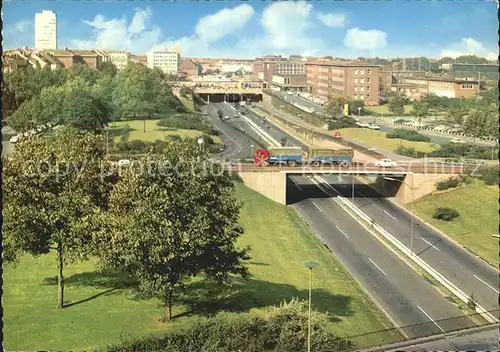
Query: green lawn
point(478, 220)
point(187, 102)
point(153, 132)
point(384, 109)
point(279, 244)
point(377, 139)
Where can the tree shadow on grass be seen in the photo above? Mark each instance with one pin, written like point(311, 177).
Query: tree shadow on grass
point(110, 281)
point(207, 297)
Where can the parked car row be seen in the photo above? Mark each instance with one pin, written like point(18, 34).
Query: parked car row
point(32, 132)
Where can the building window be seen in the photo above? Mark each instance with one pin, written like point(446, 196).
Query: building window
point(362, 72)
point(362, 89)
point(368, 80)
point(355, 89)
point(367, 88)
point(362, 80)
point(361, 97)
point(355, 72)
point(355, 80)
point(368, 96)
point(356, 96)
point(368, 72)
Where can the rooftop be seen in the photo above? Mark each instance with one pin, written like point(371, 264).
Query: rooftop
point(340, 63)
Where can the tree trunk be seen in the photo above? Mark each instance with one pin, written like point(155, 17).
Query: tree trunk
point(167, 315)
point(60, 276)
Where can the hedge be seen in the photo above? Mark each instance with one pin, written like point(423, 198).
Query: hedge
point(408, 135)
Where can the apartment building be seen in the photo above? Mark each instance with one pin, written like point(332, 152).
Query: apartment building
point(295, 83)
point(440, 86)
point(265, 67)
point(45, 30)
point(352, 80)
point(388, 77)
point(139, 59)
point(167, 61)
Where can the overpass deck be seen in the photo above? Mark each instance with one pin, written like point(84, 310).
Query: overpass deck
point(431, 169)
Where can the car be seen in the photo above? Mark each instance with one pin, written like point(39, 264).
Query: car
point(236, 116)
point(362, 124)
point(226, 118)
point(458, 141)
point(374, 126)
point(385, 163)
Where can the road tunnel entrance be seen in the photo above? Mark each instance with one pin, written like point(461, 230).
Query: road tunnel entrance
point(230, 97)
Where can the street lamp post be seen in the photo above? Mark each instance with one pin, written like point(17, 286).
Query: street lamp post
point(309, 264)
point(359, 111)
point(200, 142)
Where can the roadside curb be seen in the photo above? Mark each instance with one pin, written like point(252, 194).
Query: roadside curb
point(451, 239)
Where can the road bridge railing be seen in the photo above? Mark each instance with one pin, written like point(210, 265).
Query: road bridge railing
point(393, 338)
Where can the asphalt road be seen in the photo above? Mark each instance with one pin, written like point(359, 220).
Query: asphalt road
point(405, 296)
point(470, 274)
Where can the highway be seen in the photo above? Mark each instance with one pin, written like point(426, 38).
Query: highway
point(470, 274)
point(404, 295)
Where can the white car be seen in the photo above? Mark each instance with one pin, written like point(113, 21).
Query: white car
point(225, 118)
point(374, 126)
point(362, 124)
point(458, 141)
point(385, 163)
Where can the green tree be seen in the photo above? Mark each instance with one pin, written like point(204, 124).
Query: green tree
point(482, 122)
point(108, 68)
point(471, 59)
point(420, 109)
point(335, 106)
point(53, 191)
point(397, 105)
point(171, 222)
point(354, 105)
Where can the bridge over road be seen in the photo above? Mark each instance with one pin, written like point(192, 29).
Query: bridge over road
point(405, 183)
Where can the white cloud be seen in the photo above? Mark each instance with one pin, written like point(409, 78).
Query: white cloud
point(115, 34)
point(365, 40)
point(332, 20)
point(23, 25)
point(286, 24)
point(468, 46)
point(214, 27)
point(139, 21)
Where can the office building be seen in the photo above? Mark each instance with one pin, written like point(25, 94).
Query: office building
point(352, 80)
point(46, 30)
point(167, 61)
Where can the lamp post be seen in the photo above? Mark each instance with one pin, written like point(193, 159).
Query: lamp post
point(412, 189)
point(309, 264)
point(200, 142)
point(359, 111)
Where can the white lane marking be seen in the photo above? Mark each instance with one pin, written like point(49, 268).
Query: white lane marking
point(361, 194)
point(296, 184)
point(428, 316)
point(316, 205)
point(342, 232)
point(377, 266)
point(389, 215)
point(487, 284)
point(339, 177)
point(430, 244)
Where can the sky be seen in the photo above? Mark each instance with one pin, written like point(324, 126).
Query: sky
point(252, 28)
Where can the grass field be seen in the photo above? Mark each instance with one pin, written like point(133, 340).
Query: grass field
point(478, 220)
point(384, 109)
point(378, 139)
point(153, 132)
point(106, 312)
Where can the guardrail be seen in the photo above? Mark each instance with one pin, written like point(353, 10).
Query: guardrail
point(422, 331)
point(421, 263)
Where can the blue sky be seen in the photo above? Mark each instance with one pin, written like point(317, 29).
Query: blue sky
point(252, 28)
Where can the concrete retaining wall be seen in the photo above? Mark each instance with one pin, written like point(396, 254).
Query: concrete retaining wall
point(270, 184)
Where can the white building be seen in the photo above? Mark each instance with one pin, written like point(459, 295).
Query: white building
point(167, 61)
point(45, 30)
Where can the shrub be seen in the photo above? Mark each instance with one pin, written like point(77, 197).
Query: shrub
point(345, 122)
point(408, 135)
point(489, 174)
point(283, 328)
point(452, 182)
point(407, 151)
point(186, 122)
point(445, 214)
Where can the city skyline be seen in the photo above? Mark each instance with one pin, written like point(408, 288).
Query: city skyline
point(253, 29)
